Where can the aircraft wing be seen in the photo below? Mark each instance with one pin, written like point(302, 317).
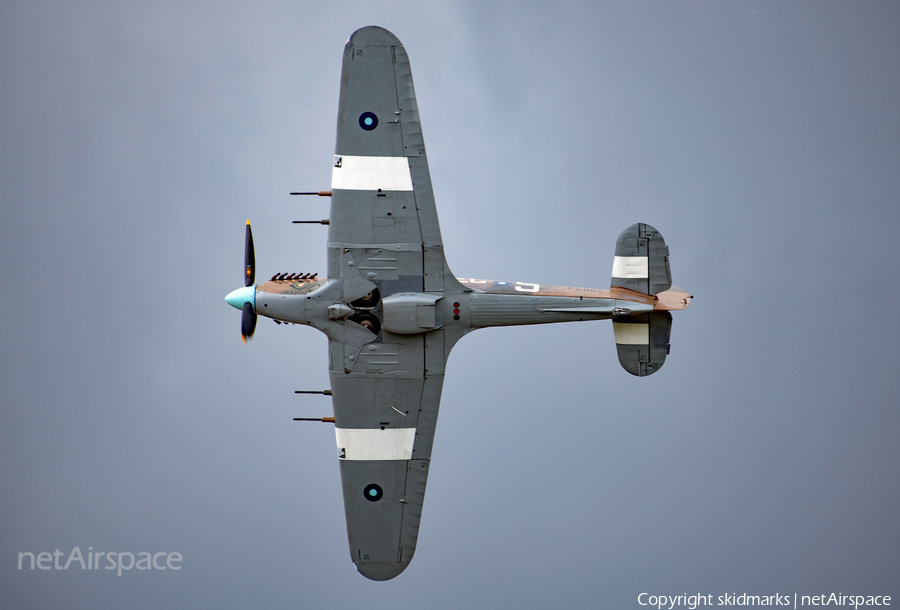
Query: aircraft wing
point(384, 233)
point(384, 426)
point(382, 206)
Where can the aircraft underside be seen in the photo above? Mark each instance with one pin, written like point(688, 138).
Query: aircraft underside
point(392, 310)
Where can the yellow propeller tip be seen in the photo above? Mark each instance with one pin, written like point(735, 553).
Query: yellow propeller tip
point(248, 221)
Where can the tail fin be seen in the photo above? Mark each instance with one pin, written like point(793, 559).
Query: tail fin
point(642, 264)
point(642, 260)
point(642, 341)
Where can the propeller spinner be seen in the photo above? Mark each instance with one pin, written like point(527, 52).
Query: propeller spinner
point(245, 298)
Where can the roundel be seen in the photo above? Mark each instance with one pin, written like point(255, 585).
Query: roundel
point(373, 492)
point(368, 121)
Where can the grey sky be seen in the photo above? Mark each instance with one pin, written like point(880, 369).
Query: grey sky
point(761, 138)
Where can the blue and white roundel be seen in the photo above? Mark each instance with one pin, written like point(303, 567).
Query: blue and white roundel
point(368, 121)
point(373, 493)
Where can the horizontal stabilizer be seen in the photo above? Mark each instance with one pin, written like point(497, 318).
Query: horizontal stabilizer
point(642, 260)
point(642, 341)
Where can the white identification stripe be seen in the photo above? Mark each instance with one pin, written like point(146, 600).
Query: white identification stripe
point(631, 267)
point(376, 444)
point(371, 174)
point(631, 334)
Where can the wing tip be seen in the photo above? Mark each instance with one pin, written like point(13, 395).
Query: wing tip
point(380, 570)
point(373, 36)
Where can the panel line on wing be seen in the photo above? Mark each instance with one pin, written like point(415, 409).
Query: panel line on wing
point(406, 247)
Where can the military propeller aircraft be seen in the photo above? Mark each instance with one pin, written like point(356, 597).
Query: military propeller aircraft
point(392, 310)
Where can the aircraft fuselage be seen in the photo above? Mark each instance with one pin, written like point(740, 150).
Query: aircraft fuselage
point(479, 304)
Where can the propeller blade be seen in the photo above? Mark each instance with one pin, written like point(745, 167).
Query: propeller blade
point(248, 321)
point(249, 260)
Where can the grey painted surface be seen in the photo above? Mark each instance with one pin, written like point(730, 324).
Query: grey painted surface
point(395, 376)
point(647, 358)
point(760, 139)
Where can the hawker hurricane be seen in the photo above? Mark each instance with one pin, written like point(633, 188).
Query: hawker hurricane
point(392, 310)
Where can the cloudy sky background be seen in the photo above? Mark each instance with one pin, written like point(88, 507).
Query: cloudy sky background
point(761, 138)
